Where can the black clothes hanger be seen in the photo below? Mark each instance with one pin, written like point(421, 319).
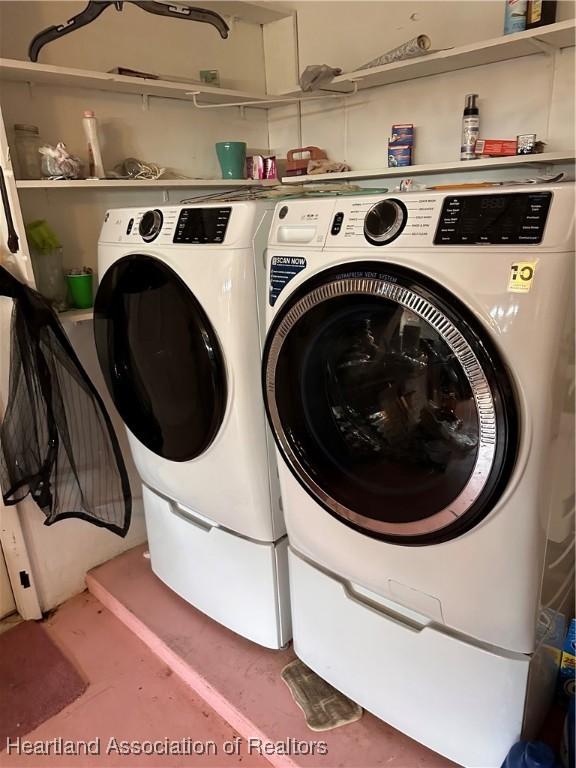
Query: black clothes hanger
point(96, 7)
point(12, 241)
point(57, 442)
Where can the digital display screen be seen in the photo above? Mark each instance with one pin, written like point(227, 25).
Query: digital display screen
point(511, 218)
point(202, 225)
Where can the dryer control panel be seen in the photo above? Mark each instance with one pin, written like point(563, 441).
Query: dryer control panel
point(202, 225)
point(513, 218)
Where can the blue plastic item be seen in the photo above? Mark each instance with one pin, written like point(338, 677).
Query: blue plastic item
point(567, 748)
point(515, 16)
point(530, 754)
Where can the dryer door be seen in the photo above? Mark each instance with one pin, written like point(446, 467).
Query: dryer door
point(389, 403)
point(160, 357)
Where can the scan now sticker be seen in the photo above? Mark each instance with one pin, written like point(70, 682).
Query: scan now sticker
point(521, 276)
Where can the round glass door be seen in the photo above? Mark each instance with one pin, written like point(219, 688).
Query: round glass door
point(160, 358)
point(388, 403)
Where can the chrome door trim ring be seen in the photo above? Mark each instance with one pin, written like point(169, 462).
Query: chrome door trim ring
point(464, 354)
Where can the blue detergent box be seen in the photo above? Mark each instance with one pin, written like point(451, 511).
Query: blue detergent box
point(570, 640)
point(399, 156)
point(551, 630)
point(402, 134)
point(400, 145)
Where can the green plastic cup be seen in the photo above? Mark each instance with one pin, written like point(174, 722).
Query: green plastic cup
point(232, 159)
point(80, 289)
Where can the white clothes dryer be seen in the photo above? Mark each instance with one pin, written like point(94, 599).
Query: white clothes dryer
point(417, 376)
point(179, 326)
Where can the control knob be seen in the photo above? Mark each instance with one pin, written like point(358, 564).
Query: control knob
point(385, 221)
point(150, 225)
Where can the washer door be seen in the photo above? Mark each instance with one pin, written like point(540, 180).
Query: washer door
point(389, 403)
point(160, 358)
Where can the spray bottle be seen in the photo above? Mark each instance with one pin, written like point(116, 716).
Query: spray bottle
point(470, 128)
point(96, 167)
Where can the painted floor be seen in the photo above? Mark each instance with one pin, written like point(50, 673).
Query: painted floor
point(132, 696)
point(160, 671)
point(242, 681)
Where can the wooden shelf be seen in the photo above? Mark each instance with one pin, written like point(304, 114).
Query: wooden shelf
point(76, 315)
point(93, 184)
point(458, 166)
point(543, 39)
point(15, 70)
point(251, 13)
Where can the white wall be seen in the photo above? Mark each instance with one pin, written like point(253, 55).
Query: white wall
point(169, 132)
point(348, 34)
point(530, 95)
point(7, 604)
point(135, 39)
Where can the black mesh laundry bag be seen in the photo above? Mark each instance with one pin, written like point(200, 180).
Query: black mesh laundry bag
point(56, 439)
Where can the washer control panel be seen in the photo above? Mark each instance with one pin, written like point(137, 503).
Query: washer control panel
point(202, 225)
point(515, 218)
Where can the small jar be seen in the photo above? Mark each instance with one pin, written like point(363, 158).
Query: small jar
point(27, 149)
point(49, 275)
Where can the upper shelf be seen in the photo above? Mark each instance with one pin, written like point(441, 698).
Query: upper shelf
point(542, 39)
point(15, 70)
point(75, 316)
point(141, 183)
point(454, 166)
point(252, 13)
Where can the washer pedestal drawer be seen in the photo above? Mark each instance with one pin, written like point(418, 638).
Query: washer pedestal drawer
point(240, 583)
point(462, 700)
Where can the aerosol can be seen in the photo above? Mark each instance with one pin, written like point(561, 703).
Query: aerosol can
point(470, 128)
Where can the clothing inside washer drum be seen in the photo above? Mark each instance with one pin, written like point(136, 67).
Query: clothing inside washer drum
point(57, 442)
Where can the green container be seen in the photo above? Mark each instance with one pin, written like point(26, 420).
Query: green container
point(80, 289)
point(232, 159)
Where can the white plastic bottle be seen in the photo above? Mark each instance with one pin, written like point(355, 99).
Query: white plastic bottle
point(96, 167)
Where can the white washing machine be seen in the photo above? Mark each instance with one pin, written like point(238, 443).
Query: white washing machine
point(179, 326)
point(418, 378)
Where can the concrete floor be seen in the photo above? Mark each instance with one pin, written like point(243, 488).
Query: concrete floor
point(132, 696)
point(240, 680)
point(158, 669)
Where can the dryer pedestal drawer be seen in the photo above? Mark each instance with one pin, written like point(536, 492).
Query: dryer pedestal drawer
point(461, 700)
point(236, 581)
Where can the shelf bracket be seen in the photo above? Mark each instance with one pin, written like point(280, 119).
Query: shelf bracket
point(542, 47)
point(272, 101)
point(145, 102)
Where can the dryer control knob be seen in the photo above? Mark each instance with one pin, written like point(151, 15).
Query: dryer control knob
point(150, 225)
point(385, 221)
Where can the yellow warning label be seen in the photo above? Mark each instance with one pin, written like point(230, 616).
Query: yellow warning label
point(521, 276)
